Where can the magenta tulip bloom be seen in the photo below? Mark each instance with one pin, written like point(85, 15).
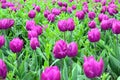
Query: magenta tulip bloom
point(97, 1)
point(16, 45)
point(103, 17)
point(62, 25)
point(91, 15)
point(65, 4)
point(104, 9)
point(34, 43)
point(2, 41)
point(3, 6)
point(94, 35)
point(46, 13)
point(51, 17)
point(72, 49)
point(116, 27)
point(60, 3)
point(70, 24)
point(92, 24)
point(64, 9)
point(70, 0)
point(3, 70)
point(51, 73)
point(80, 15)
point(30, 24)
point(73, 7)
point(37, 8)
point(104, 25)
point(93, 68)
point(38, 29)
point(32, 34)
point(60, 49)
point(32, 14)
point(56, 11)
point(69, 10)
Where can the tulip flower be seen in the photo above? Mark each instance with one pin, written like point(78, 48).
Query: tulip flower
point(32, 34)
point(51, 17)
point(30, 24)
point(46, 13)
point(104, 25)
point(62, 25)
point(70, 24)
point(73, 7)
point(56, 11)
point(60, 3)
point(64, 9)
point(65, 4)
point(69, 10)
point(34, 43)
point(92, 24)
point(91, 15)
point(80, 15)
point(32, 14)
point(38, 29)
point(37, 8)
point(2, 41)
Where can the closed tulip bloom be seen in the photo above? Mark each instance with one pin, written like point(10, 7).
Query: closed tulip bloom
point(72, 49)
point(104, 9)
point(70, 24)
point(92, 24)
point(37, 8)
point(111, 21)
point(46, 13)
point(85, 9)
point(32, 34)
point(3, 1)
point(3, 6)
point(62, 25)
point(32, 14)
point(64, 9)
point(93, 68)
point(116, 27)
point(2, 41)
point(51, 73)
point(16, 45)
point(94, 35)
point(56, 11)
point(69, 10)
point(51, 17)
point(34, 43)
point(73, 7)
point(91, 15)
point(64, 4)
point(80, 15)
point(112, 11)
point(60, 3)
point(103, 2)
point(38, 29)
point(103, 17)
point(60, 49)
point(3, 70)
point(30, 24)
point(104, 25)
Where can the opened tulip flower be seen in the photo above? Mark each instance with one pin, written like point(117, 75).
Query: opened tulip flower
point(2, 41)
point(3, 70)
point(74, 7)
point(93, 68)
point(51, 73)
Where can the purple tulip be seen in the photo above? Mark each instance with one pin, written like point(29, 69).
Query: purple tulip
point(103, 17)
point(51, 73)
point(3, 70)
point(38, 29)
point(2, 41)
point(85, 9)
point(13, 9)
point(32, 14)
point(91, 15)
point(46, 13)
point(94, 35)
point(74, 7)
point(30, 24)
point(80, 15)
point(112, 11)
point(111, 21)
point(60, 3)
point(60, 49)
point(116, 27)
point(69, 10)
point(72, 49)
point(97, 1)
point(3, 1)
point(65, 4)
point(92, 24)
point(70, 24)
point(104, 9)
point(62, 25)
point(3, 6)
point(93, 68)
point(32, 34)
point(103, 2)
point(16, 45)
point(51, 17)
point(10, 4)
point(64, 9)
point(104, 25)
point(70, 0)
point(34, 43)
point(37, 8)
point(56, 11)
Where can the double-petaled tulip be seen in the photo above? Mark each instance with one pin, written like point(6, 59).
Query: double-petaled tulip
point(70, 24)
point(51, 17)
point(92, 24)
point(32, 14)
point(104, 25)
point(116, 27)
point(72, 49)
point(80, 15)
point(56, 11)
point(94, 35)
point(91, 15)
point(51, 73)
point(16, 45)
point(73, 7)
point(46, 13)
point(62, 25)
point(103, 17)
point(32, 34)
point(60, 49)
point(3, 70)
point(6, 23)
point(30, 24)
point(2, 41)
point(93, 68)
point(34, 43)
point(37, 8)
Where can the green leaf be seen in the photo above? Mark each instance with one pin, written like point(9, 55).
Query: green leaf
point(65, 71)
point(74, 73)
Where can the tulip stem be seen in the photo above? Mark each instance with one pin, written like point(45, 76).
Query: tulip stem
point(64, 35)
point(70, 35)
point(95, 47)
point(117, 39)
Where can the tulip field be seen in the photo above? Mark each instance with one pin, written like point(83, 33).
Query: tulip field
point(59, 40)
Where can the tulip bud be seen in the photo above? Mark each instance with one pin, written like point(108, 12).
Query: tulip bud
point(92, 24)
point(60, 49)
point(46, 13)
point(72, 49)
point(80, 15)
point(65, 4)
point(62, 25)
point(73, 7)
point(37, 8)
point(111, 21)
point(60, 3)
point(32, 14)
point(34, 43)
point(92, 68)
point(3, 70)
point(104, 9)
point(3, 6)
point(69, 10)
point(32, 34)
point(54, 70)
point(70, 24)
point(2, 41)
point(116, 27)
point(30, 24)
point(94, 35)
point(16, 45)
point(51, 17)
point(91, 15)
point(104, 25)
point(64, 9)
